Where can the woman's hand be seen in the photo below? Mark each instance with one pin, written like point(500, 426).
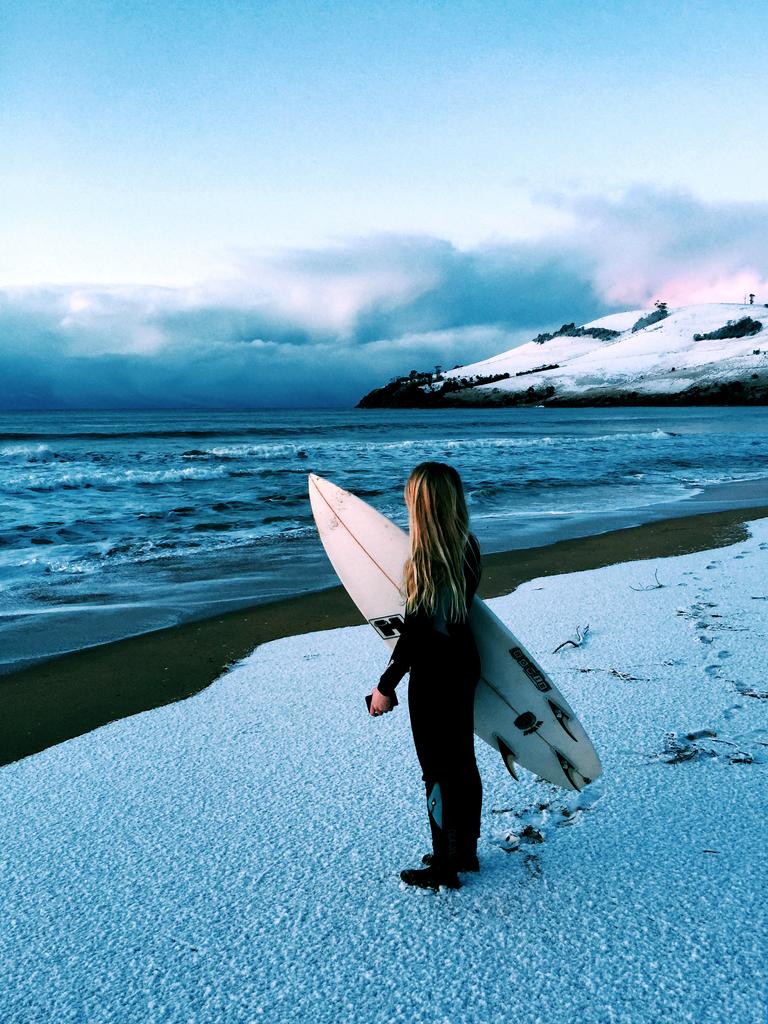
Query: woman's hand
point(380, 704)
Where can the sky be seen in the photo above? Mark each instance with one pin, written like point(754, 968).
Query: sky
point(300, 200)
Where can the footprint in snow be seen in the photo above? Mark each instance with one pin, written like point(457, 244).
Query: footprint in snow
point(750, 691)
point(532, 864)
point(707, 744)
point(530, 826)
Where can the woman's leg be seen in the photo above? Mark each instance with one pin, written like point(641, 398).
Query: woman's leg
point(441, 706)
point(458, 774)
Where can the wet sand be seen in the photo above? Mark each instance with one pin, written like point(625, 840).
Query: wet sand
point(70, 695)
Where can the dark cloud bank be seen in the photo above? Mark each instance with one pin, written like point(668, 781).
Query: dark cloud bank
point(321, 327)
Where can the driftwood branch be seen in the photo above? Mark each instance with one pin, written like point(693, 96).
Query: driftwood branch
point(580, 640)
point(627, 677)
point(652, 586)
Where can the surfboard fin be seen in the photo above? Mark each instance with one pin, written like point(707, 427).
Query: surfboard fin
point(508, 758)
point(562, 717)
point(569, 770)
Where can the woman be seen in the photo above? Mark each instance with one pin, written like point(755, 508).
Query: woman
point(436, 644)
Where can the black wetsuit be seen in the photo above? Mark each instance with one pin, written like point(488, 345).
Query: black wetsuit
point(444, 669)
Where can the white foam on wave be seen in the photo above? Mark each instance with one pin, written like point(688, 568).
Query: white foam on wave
point(282, 450)
point(101, 556)
point(247, 451)
point(67, 479)
point(597, 499)
point(26, 452)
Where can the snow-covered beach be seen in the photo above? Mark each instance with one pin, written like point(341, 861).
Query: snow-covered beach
point(235, 856)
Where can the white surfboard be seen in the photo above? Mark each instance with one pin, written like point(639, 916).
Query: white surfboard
point(518, 709)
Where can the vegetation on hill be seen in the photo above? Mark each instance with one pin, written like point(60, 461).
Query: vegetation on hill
point(733, 329)
point(538, 369)
point(460, 383)
point(410, 391)
point(572, 331)
point(659, 313)
point(730, 392)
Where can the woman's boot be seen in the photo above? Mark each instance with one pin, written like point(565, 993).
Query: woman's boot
point(463, 855)
point(441, 867)
point(466, 855)
point(442, 863)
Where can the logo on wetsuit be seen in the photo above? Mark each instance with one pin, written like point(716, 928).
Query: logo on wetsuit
point(530, 670)
point(388, 626)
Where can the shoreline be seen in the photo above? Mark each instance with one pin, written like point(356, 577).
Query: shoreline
point(71, 694)
point(725, 392)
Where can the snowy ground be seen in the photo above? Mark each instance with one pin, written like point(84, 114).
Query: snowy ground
point(235, 857)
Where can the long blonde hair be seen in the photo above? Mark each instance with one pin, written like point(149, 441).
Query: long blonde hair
point(439, 528)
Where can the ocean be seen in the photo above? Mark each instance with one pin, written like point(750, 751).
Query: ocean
point(114, 523)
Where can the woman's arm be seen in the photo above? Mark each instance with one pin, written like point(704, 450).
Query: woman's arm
point(401, 658)
point(400, 661)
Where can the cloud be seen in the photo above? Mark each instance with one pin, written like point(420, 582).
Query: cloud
point(651, 244)
point(322, 326)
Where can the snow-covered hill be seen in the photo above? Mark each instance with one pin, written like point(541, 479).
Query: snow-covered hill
point(661, 360)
